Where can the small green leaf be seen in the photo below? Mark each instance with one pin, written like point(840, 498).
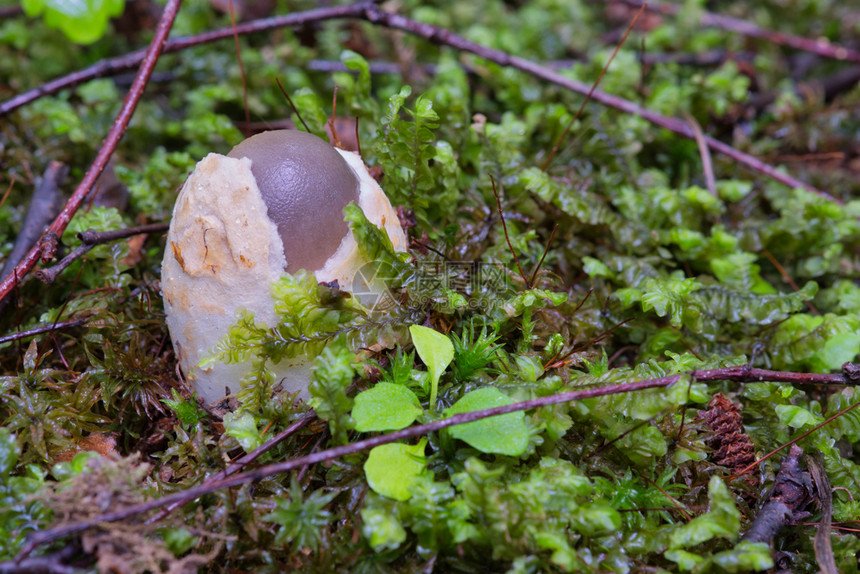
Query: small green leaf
point(382, 530)
point(392, 469)
point(243, 428)
point(722, 519)
point(502, 434)
point(82, 22)
point(838, 349)
point(437, 352)
point(385, 407)
point(795, 416)
point(65, 470)
point(188, 413)
point(9, 452)
point(178, 540)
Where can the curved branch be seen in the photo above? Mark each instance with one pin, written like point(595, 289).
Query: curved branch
point(437, 35)
point(821, 47)
point(47, 245)
point(739, 374)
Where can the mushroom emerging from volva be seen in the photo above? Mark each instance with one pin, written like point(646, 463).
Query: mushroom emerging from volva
point(273, 204)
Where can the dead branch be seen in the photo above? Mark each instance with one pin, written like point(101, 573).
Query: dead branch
point(824, 493)
point(44, 206)
point(445, 37)
point(821, 47)
point(91, 238)
point(739, 374)
point(375, 15)
point(39, 330)
point(243, 462)
point(46, 246)
point(786, 502)
point(54, 563)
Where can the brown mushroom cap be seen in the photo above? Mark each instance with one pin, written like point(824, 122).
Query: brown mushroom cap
point(305, 184)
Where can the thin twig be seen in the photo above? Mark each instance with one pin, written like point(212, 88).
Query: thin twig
point(751, 466)
point(6, 194)
point(241, 65)
point(738, 374)
point(821, 47)
point(437, 35)
point(787, 278)
point(705, 154)
point(47, 245)
point(90, 239)
point(44, 205)
point(507, 238)
point(243, 462)
point(587, 99)
point(545, 251)
point(48, 564)
point(292, 105)
point(39, 330)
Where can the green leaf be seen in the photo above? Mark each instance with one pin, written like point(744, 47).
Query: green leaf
point(437, 352)
point(721, 521)
point(9, 452)
point(796, 416)
point(188, 413)
point(502, 434)
point(82, 21)
point(302, 518)
point(838, 349)
point(332, 373)
point(65, 470)
point(243, 428)
point(392, 469)
point(386, 406)
point(382, 530)
point(178, 540)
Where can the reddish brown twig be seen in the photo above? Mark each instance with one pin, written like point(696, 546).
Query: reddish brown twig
point(243, 462)
point(542, 257)
point(90, 239)
point(39, 330)
point(128, 61)
point(705, 154)
point(241, 67)
point(505, 229)
point(801, 437)
point(44, 205)
point(822, 48)
point(377, 16)
point(587, 99)
point(740, 374)
point(46, 246)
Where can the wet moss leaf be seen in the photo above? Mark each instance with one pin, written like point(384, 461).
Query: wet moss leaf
point(385, 407)
point(437, 352)
point(392, 469)
point(243, 428)
point(839, 349)
point(502, 434)
point(796, 417)
point(721, 521)
point(9, 452)
point(81, 22)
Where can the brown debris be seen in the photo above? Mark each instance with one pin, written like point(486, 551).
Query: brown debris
point(733, 448)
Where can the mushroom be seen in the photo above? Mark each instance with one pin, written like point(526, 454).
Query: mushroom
point(273, 204)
